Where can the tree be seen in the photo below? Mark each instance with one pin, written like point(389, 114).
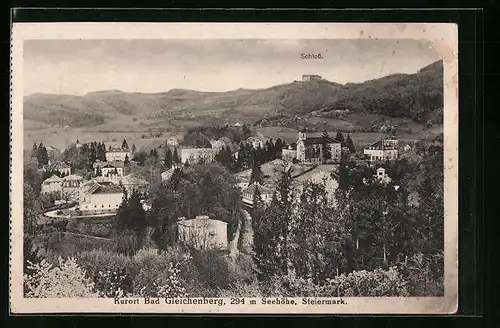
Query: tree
point(133, 148)
point(208, 189)
point(42, 155)
point(34, 150)
point(66, 279)
point(175, 157)
point(31, 208)
point(350, 144)
point(282, 207)
point(327, 154)
point(340, 137)
point(124, 144)
point(168, 159)
point(131, 215)
point(225, 158)
point(267, 242)
point(256, 175)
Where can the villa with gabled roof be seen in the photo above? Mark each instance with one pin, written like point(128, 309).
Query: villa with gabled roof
point(100, 197)
point(385, 149)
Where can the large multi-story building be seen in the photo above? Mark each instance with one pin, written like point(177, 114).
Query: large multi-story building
point(312, 149)
point(52, 185)
point(116, 168)
point(196, 155)
point(61, 167)
point(311, 77)
point(100, 197)
point(118, 154)
point(386, 149)
point(266, 194)
point(71, 186)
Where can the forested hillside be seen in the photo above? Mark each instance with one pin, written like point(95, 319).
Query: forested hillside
point(416, 96)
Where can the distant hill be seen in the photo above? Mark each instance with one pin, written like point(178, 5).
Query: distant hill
point(414, 96)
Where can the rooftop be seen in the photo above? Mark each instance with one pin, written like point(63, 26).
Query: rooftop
point(117, 150)
point(108, 164)
point(73, 177)
point(53, 178)
point(93, 187)
point(263, 190)
point(200, 222)
point(381, 144)
point(308, 175)
point(131, 179)
point(60, 165)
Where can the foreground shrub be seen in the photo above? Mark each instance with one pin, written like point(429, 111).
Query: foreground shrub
point(154, 277)
point(425, 275)
point(377, 283)
point(109, 272)
point(65, 280)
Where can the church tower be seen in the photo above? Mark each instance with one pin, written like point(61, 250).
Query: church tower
point(302, 134)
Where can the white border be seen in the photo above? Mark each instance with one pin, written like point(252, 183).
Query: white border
point(445, 39)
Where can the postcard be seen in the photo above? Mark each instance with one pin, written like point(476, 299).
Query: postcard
point(211, 168)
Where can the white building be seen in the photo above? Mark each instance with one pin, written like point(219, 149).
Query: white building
point(166, 175)
point(132, 183)
point(61, 167)
point(118, 154)
point(52, 185)
point(112, 168)
point(266, 194)
point(256, 141)
point(386, 149)
point(382, 176)
point(203, 233)
point(217, 145)
point(172, 142)
point(71, 186)
point(311, 77)
point(310, 149)
point(100, 197)
point(195, 155)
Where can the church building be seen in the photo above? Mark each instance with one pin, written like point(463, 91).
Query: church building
point(311, 150)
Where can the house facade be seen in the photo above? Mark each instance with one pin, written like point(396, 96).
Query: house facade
point(203, 233)
point(71, 186)
point(100, 197)
point(266, 194)
point(118, 154)
point(112, 168)
point(382, 176)
point(310, 149)
point(52, 185)
point(131, 183)
point(195, 155)
point(61, 167)
point(386, 149)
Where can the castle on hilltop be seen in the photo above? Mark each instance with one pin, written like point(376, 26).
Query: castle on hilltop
point(311, 77)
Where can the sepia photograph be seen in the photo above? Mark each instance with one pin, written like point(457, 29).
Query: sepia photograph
point(231, 174)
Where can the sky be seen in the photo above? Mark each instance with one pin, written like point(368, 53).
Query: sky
point(80, 66)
